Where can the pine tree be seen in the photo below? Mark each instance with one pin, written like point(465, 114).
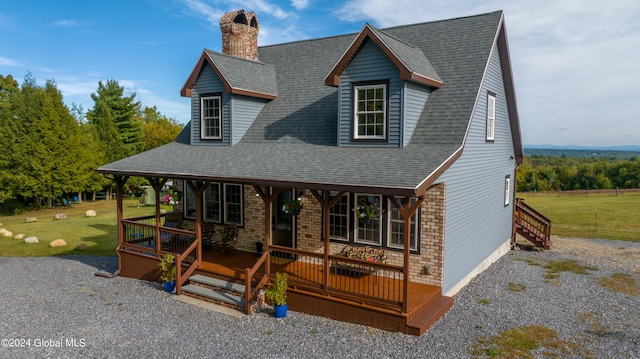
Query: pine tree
point(114, 118)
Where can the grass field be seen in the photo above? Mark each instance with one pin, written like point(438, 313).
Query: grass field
point(590, 215)
point(98, 233)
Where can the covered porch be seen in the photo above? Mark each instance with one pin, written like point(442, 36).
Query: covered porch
point(321, 281)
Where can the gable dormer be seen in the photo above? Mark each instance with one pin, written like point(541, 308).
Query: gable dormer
point(383, 84)
point(228, 90)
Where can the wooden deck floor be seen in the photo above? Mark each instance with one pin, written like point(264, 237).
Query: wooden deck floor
point(306, 276)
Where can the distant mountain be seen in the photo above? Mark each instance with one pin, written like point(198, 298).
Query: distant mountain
point(621, 148)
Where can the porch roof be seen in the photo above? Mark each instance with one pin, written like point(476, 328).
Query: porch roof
point(394, 171)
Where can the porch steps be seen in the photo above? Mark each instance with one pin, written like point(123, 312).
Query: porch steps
point(421, 322)
point(216, 290)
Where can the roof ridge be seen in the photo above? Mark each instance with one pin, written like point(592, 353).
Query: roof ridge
point(256, 61)
point(443, 20)
point(355, 33)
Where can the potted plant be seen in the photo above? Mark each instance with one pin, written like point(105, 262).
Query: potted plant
point(365, 211)
point(277, 294)
point(293, 208)
point(168, 272)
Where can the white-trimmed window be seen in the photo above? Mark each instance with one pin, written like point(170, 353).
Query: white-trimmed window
point(507, 190)
point(370, 117)
point(210, 118)
point(222, 203)
point(396, 227)
point(368, 231)
point(339, 219)
point(491, 116)
point(233, 204)
point(212, 204)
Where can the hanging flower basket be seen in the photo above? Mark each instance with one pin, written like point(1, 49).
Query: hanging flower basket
point(293, 208)
point(365, 211)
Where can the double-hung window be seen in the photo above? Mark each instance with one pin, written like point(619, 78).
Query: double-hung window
point(222, 203)
point(370, 117)
point(339, 219)
point(368, 230)
point(212, 203)
point(491, 117)
point(233, 204)
point(210, 118)
point(396, 227)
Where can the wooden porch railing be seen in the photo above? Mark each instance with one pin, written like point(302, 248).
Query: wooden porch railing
point(186, 263)
point(143, 237)
point(532, 225)
point(258, 268)
point(367, 283)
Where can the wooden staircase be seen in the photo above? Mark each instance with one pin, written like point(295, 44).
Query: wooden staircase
point(216, 290)
point(532, 225)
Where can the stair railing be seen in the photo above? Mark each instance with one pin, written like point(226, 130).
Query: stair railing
point(534, 222)
point(249, 295)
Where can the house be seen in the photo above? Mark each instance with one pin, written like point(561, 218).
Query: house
point(416, 123)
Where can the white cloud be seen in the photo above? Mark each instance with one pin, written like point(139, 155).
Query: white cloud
point(575, 61)
point(200, 8)
point(4, 61)
point(300, 4)
point(66, 23)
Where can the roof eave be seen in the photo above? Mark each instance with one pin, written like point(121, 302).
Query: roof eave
point(355, 188)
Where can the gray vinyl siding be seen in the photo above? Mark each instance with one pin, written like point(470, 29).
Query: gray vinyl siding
point(476, 220)
point(415, 96)
point(370, 64)
point(209, 83)
point(245, 110)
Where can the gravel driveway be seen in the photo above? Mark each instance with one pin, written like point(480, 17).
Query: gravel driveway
point(60, 309)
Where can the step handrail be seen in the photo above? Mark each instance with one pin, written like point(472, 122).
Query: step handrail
point(532, 220)
point(249, 273)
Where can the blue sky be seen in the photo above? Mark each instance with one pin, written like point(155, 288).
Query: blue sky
point(576, 62)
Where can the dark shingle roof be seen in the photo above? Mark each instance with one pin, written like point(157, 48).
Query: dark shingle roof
point(293, 140)
point(242, 74)
point(411, 56)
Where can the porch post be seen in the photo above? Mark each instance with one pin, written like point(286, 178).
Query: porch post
point(157, 184)
point(198, 188)
point(268, 195)
point(120, 181)
point(407, 210)
point(327, 202)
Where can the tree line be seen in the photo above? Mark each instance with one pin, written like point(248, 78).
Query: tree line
point(553, 173)
point(50, 151)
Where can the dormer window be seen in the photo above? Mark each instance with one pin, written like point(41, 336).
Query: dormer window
point(210, 118)
point(370, 117)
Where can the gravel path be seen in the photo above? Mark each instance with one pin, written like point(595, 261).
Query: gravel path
point(55, 302)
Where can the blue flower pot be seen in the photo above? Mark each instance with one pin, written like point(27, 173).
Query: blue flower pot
point(281, 310)
point(169, 286)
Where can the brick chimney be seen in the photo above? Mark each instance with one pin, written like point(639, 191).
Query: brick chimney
point(240, 34)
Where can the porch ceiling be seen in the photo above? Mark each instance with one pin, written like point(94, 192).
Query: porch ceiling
point(392, 171)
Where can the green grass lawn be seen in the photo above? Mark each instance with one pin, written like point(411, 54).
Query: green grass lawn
point(604, 216)
point(98, 233)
